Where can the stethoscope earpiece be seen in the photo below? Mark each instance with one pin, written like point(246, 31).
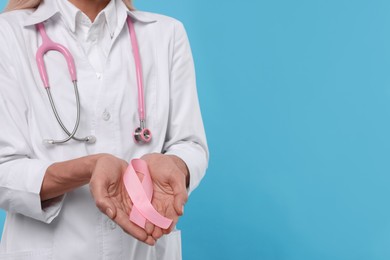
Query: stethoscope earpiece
point(91, 139)
point(48, 142)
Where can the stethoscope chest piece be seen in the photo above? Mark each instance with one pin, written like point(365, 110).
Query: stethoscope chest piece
point(142, 134)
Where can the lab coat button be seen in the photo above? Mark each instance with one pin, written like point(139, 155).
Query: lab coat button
point(99, 75)
point(106, 115)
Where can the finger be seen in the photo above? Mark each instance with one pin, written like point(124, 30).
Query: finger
point(132, 229)
point(102, 199)
point(157, 233)
point(169, 230)
point(150, 241)
point(149, 227)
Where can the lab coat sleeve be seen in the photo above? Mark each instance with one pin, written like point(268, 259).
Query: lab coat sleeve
point(185, 136)
point(21, 174)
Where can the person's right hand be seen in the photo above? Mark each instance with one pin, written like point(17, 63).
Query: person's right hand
point(111, 197)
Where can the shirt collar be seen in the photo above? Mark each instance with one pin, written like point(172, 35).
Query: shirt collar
point(49, 8)
point(44, 11)
point(71, 14)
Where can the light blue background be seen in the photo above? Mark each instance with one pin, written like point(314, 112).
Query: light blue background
point(295, 98)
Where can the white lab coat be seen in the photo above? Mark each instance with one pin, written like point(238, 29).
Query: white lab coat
point(71, 227)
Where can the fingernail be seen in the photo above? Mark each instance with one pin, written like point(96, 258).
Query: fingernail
point(182, 209)
point(109, 213)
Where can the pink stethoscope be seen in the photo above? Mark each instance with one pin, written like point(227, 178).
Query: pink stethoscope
point(141, 133)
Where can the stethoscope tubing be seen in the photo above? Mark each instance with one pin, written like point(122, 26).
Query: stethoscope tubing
point(138, 69)
point(71, 135)
point(53, 106)
point(141, 133)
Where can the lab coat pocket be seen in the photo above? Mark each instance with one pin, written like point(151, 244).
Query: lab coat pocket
point(168, 247)
point(42, 254)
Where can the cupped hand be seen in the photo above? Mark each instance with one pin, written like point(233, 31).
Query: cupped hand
point(168, 175)
point(111, 197)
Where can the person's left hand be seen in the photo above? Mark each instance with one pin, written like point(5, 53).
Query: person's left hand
point(169, 176)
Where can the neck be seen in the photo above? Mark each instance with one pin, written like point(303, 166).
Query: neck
point(90, 7)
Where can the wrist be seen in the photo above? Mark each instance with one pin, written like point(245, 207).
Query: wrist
point(91, 162)
point(65, 176)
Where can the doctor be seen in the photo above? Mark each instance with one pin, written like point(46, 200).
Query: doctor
point(67, 200)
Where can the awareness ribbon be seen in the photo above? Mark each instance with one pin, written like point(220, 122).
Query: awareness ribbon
point(141, 195)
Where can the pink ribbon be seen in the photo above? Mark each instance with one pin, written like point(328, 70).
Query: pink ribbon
point(141, 195)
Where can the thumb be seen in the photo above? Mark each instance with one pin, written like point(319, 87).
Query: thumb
point(180, 199)
point(178, 183)
point(106, 206)
point(111, 212)
point(102, 200)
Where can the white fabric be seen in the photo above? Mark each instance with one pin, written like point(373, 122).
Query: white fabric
point(95, 38)
point(72, 227)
